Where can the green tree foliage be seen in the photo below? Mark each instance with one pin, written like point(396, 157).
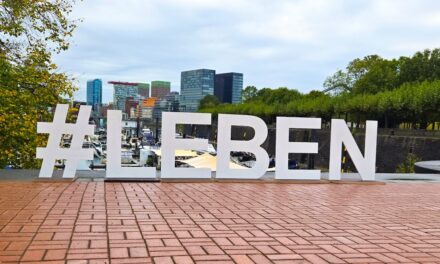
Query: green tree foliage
point(408, 165)
point(209, 101)
point(248, 93)
point(280, 95)
point(35, 25)
point(393, 92)
point(423, 66)
point(372, 74)
point(339, 82)
point(30, 31)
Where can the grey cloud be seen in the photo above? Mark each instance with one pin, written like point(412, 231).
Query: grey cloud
point(274, 43)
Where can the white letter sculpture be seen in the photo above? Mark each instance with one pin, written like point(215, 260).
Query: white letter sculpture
point(284, 147)
point(114, 168)
point(226, 145)
point(170, 144)
point(366, 165)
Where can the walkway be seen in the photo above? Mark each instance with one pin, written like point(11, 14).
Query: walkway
point(97, 222)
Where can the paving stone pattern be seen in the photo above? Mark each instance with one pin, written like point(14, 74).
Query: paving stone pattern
point(97, 222)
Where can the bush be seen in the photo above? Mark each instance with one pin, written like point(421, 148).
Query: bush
point(408, 165)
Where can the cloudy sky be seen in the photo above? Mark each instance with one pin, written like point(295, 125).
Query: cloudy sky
point(293, 43)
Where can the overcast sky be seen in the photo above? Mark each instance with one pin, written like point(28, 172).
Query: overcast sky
point(274, 43)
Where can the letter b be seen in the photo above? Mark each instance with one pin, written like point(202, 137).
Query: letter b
point(226, 145)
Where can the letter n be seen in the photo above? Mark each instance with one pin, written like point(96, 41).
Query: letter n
point(365, 165)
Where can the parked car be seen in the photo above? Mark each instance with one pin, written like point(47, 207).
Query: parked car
point(293, 165)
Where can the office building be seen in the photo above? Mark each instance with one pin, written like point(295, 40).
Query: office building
point(144, 90)
point(228, 87)
point(160, 89)
point(124, 90)
point(94, 93)
point(159, 107)
point(173, 102)
point(104, 108)
point(168, 104)
point(194, 85)
point(146, 108)
point(130, 107)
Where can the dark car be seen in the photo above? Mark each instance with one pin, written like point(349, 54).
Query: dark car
point(293, 165)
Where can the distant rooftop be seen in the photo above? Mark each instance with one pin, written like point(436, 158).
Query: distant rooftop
point(122, 83)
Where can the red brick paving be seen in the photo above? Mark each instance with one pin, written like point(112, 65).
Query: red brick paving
point(96, 222)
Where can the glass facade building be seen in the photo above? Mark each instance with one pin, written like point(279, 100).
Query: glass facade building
point(160, 89)
point(228, 87)
point(194, 85)
point(173, 102)
point(144, 90)
point(94, 93)
point(122, 91)
point(168, 104)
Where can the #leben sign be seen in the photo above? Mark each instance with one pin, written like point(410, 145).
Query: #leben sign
point(340, 134)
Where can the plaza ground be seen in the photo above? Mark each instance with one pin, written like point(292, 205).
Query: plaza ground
point(97, 222)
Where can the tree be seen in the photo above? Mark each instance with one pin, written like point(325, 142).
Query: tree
point(248, 93)
point(30, 26)
point(373, 74)
point(369, 75)
point(276, 96)
point(30, 32)
point(209, 101)
point(422, 66)
point(339, 82)
point(370, 89)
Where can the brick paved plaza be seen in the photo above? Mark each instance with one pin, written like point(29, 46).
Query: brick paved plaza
point(97, 222)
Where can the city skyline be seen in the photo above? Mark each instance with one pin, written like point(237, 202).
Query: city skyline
point(225, 86)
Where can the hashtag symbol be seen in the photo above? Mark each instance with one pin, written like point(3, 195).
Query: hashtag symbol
point(56, 129)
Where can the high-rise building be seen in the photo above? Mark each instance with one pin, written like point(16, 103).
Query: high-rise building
point(131, 105)
point(194, 85)
point(123, 90)
point(173, 100)
point(144, 90)
point(94, 93)
point(104, 108)
point(160, 89)
point(168, 104)
point(146, 108)
point(228, 87)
